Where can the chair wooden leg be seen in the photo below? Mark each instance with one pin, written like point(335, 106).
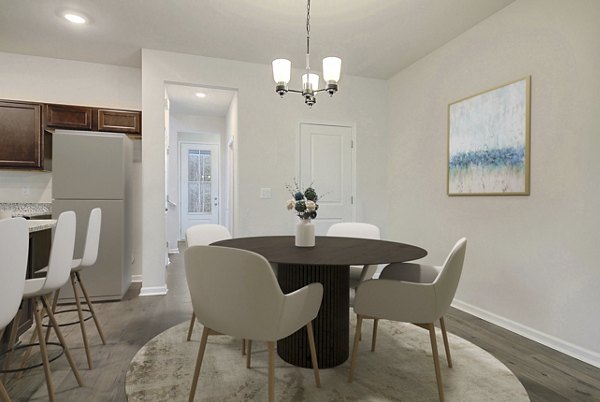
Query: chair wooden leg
point(243, 347)
point(271, 347)
point(192, 322)
point(374, 340)
point(61, 339)
point(11, 342)
point(249, 354)
point(27, 353)
point(201, 350)
point(54, 304)
point(3, 394)
point(436, 361)
point(86, 345)
point(43, 350)
point(313, 353)
point(446, 344)
point(91, 307)
point(355, 347)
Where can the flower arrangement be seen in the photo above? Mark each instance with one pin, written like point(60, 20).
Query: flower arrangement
point(303, 203)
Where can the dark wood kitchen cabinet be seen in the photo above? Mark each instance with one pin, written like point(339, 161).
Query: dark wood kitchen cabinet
point(70, 117)
point(21, 136)
point(123, 121)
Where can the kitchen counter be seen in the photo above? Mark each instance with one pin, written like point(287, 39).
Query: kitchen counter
point(29, 209)
point(36, 225)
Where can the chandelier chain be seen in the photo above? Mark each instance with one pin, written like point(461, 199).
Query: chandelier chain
point(308, 27)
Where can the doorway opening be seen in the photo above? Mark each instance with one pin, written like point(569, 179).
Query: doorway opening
point(200, 138)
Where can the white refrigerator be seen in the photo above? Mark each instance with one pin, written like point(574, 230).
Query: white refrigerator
point(89, 170)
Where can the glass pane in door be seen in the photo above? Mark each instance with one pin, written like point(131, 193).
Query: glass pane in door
point(199, 181)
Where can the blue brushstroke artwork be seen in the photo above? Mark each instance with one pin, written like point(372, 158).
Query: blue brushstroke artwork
point(488, 142)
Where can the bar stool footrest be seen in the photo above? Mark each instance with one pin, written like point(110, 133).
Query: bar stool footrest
point(31, 345)
point(66, 324)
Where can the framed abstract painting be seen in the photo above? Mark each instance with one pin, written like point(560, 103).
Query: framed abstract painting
point(489, 141)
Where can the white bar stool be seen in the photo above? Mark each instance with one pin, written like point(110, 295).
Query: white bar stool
point(14, 244)
point(37, 289)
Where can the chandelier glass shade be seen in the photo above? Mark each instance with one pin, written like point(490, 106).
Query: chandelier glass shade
point(332, 67)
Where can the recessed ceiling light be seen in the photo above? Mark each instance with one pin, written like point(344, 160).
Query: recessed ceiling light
point(75, 18)
point(200, 95)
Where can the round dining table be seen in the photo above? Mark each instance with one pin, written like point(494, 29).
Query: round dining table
point(327, 262)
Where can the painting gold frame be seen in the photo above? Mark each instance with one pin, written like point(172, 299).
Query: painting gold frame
point(486, 148)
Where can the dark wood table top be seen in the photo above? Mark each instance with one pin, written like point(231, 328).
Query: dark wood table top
point(327, 250)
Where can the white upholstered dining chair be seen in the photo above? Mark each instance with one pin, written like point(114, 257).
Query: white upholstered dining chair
point(203, 235)
point(420, 296)
point(235, 292)
point(357, 230)
point(14, 243)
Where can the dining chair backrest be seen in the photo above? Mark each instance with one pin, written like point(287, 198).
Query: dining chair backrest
point(233, 291)
point(354, 229)
point(14, 244)
point(61, 252)
point(204, 234)
point(446, 283)
point(92, 238)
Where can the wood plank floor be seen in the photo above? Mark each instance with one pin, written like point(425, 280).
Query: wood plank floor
point(546, 374)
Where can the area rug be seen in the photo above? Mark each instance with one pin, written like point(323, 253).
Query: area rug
point(401, 369)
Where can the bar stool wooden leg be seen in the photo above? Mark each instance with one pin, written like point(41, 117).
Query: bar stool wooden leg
point(61, 339)
point(86, 345)
point(192, 322)
point(3, 394)
point(11, 342)
point(91, 307)
point(446, 345)
point(43, 350)
point(26, 355)
point(54, 304)
point(243, 347)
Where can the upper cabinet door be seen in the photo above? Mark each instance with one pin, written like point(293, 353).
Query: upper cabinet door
point(20, 135)
point(121, 121)
point(69, 117)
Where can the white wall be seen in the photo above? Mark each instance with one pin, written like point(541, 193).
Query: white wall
point(41, 79)
point(231, 133)
point(266, 143)
point(194, 128)
point(532, 262)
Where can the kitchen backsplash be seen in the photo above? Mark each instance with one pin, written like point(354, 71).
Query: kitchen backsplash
point(27, 187)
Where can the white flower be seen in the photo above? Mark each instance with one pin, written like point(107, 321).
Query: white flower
point(291, 204)
point(310, 206)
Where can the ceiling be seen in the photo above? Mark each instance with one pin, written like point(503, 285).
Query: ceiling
point(374, 38)
point(183, 100)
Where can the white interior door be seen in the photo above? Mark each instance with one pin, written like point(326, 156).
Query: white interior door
point(326, 154)
point(199, 184)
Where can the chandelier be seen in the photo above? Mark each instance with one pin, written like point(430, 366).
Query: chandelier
point(310, 81)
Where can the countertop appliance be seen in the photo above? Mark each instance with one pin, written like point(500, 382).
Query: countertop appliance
point(93, 169)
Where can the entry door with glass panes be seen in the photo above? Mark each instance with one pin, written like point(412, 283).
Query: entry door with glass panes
point(199, 184)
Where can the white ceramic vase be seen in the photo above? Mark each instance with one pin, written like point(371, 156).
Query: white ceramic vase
point(305, 233)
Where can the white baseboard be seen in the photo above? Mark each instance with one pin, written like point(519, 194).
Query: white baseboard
point(154, 291)
point(136, 278)
point(585, 355)
point(173, 251)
